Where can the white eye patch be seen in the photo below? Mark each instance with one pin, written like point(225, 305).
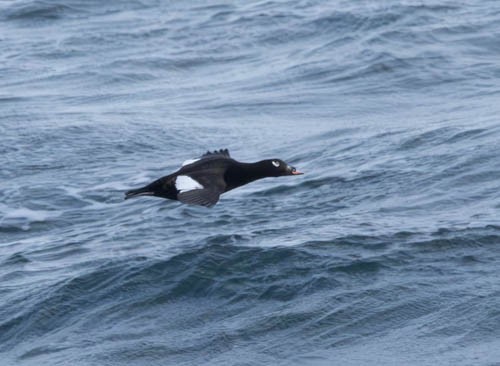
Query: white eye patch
point(183, 183)
point(276, 163)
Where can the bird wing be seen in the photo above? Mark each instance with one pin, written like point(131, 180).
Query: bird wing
point(202, 197)
point(217, 154)
point(200, 188)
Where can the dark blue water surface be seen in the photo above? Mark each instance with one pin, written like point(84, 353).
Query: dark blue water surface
point(386, 252)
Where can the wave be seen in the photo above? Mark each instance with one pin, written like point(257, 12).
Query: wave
point(241, 275)
point(38, 10)
point(52, 10)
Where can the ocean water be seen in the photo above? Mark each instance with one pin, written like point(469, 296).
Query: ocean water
point(387, 250)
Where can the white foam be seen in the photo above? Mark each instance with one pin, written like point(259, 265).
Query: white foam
point(116, 186)
point(184, 183)
point(22, 217)
point(29, 215)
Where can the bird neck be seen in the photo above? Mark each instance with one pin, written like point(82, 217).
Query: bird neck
point(243, 173)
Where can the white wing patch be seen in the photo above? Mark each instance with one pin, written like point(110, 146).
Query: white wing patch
point(184, 183)
point(190, 161)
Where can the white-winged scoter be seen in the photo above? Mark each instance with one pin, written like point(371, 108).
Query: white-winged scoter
point(203, 180)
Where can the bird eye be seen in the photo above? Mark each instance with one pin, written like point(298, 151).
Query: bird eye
point(276, 163)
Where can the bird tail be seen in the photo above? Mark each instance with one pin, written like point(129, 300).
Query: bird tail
point(144, 191)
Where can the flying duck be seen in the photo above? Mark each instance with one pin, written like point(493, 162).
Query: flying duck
point(201, 181)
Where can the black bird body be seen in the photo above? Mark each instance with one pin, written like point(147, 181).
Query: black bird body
point(202, 181)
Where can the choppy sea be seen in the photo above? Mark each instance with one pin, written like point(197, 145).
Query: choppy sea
point(387, 250)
